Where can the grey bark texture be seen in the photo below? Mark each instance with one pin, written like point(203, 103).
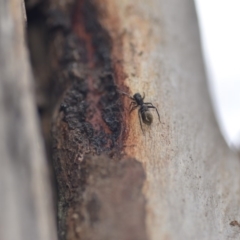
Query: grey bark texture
point(192, 185)
point(25, 198)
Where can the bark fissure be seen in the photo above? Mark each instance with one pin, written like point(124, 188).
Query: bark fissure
point(99, 189)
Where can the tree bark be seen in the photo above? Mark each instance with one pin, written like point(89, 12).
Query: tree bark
point(175, 180)
point(25, 198)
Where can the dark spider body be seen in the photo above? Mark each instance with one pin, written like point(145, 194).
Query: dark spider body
point(144, 114)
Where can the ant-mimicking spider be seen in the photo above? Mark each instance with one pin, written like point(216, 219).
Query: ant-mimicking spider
point(143, 112)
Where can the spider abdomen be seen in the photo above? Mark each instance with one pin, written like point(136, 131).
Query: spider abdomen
point(147, 117)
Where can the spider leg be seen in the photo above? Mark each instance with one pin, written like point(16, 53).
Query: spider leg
point(147, 103)
point(126, 94)
point(143, 96)
point(133, 108)
point(131, 104)
point(140, 118)
point(156, 111)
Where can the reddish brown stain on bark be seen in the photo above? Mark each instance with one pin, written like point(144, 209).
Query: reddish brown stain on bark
point(93, 95)
point(100, 195)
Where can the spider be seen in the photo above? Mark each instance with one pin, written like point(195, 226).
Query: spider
point(144, 114)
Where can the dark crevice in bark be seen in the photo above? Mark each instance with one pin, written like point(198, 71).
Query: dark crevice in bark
point(99, 189)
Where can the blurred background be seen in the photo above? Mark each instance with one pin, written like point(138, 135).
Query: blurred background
point(219, 22)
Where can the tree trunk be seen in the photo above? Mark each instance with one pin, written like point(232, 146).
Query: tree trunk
point(175, 179)
point(25, 199)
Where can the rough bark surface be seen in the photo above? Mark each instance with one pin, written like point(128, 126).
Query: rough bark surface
point(100, 189)
point(178, 179)
point(25, 198)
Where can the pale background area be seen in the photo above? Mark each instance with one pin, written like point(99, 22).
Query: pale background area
point(219, 22)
